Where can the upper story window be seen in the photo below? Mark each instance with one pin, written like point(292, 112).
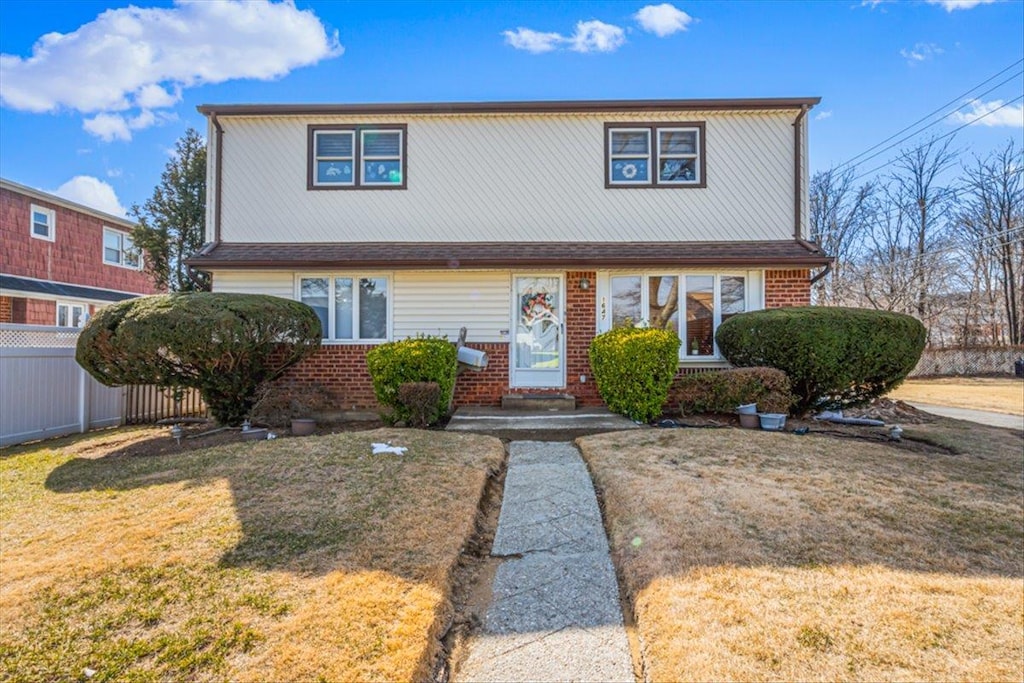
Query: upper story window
point(691, 305)
point(654, 155)
point(350, 308)
point(42, 222)
point(356, 157)
point(119, 250)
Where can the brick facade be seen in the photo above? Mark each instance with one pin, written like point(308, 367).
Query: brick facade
point(787, 288)
point(342, 368)
point(6, 314)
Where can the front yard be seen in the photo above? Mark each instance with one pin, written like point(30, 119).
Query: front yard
point(997, 394)
point(765, 556)
point(280, 560)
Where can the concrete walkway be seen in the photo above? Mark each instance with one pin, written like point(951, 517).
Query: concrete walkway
point(980, 416)
point(554, 614)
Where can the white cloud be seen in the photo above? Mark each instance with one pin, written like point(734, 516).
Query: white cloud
point(137, 60)
point(921, 52)
point(662, 20)
point(91, 192)
point(590, 36)
point(996, 113)
point(822, 115)
point(597, 36)
point(953, 5)
point(533, 41)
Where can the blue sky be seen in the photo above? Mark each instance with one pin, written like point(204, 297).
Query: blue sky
point(91, 113)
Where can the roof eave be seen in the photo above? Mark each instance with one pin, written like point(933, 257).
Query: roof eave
point(524, 107)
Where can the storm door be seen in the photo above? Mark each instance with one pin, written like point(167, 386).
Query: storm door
point(538, 338)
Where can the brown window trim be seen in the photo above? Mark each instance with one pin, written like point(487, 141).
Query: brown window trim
point(357, 129)
point(654, 127)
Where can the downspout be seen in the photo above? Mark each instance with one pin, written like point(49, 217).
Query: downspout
point(798, 172)
point(218, 176)
point(823, 273)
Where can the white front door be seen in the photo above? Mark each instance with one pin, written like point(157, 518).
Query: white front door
point(538, 343)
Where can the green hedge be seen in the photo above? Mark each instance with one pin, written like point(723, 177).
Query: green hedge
point(634, 368)
point(834, 357)
point(420, 359)
point(720, 391)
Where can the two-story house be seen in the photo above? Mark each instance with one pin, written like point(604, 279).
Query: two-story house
point(60, 261)
point(536, 225)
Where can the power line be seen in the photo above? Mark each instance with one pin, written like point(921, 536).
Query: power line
point(943, 136)
point(955, 100)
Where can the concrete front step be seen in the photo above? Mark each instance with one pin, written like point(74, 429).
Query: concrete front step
point(561, 425)
point(538, 402)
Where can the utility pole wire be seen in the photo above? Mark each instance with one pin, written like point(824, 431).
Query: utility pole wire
point(944, 135)
point(956, 99)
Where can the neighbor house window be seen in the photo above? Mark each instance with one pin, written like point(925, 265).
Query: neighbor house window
point(353, 157)
point(71, 314)
point(42, 222)
point(691, 305)
point(350, 308)
point(119, 250)
point(654, 155)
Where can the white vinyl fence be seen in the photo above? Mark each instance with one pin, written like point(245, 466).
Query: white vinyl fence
point(44, 392)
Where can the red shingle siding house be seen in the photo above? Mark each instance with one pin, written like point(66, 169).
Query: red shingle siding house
point(536, 225)
point(59, 260)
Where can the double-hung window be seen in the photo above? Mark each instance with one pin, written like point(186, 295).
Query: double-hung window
point(119, 249)
point(654, 155)
point(42, 222)
point(356, 157)
point(691, 305)
point(350, 307)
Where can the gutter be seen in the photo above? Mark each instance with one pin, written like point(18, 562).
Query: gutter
point(798, 172)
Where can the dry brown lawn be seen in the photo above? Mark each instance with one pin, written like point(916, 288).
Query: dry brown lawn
point(295, 559)
point(766, 556)
point(997, 394)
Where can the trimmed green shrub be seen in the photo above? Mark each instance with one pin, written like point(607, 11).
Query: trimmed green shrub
point(225, 345)
point(634, 368)
point(720, 391)
point(420, 359)
point(834, 357)
point(420, 400)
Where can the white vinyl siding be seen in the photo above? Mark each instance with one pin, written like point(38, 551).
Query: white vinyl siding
point(440, 302)
point(422, 302)
point(501, 178)
point(279, 283)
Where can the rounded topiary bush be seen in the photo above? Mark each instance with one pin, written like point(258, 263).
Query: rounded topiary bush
point(419, 359)
point(834, 357)
point(634, 368)
point(224, 345)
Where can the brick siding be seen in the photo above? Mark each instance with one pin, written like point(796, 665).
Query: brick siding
point(5, 310)
point(787, 288)
point(74, 257)
point(342, 368)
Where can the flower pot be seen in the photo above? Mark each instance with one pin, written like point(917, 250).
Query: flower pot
point(772, 422)
point(747, 409)
point(749, 421)
point(303, 426)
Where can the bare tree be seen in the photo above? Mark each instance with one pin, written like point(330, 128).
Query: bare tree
point(991, 223)
point(838, 219)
